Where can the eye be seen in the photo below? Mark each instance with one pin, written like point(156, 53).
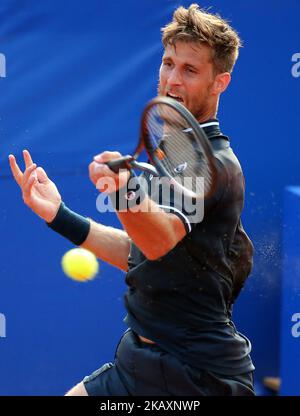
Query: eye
point(191, 70)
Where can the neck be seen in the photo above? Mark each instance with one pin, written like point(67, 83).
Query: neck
point(208, 116)
point(208, 113)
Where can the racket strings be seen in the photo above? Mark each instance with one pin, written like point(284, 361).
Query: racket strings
point(177, 147)
point(184, 159)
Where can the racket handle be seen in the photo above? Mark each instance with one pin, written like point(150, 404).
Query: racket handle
point(121, 163)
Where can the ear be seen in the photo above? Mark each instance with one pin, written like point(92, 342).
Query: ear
point(221, 82)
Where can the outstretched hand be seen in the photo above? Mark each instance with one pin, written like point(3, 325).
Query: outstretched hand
point(38, 191)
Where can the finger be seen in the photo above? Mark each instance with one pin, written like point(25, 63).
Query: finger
point(28, 173)
point(41, 175)
point(16, 171)
point(27, 158)
point(98, 170)
point(106, 156)
point(28, 187)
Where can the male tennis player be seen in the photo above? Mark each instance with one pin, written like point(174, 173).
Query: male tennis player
point(182, 277)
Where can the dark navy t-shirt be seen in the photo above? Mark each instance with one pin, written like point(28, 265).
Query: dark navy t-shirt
point(183, 300)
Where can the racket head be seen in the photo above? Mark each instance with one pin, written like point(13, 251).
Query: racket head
point(178, 147)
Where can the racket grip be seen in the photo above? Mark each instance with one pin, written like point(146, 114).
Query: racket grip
point(121, 163)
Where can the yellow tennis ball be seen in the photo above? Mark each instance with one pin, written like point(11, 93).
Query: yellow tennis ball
point(80, 264)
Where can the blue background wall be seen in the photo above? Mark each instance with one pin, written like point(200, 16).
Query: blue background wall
point(77, 76)
point(290, 311)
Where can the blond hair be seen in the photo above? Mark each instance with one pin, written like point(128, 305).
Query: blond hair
point(197, 25)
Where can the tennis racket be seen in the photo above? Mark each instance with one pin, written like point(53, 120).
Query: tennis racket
point(177, 147)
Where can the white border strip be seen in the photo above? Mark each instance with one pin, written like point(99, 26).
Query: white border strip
point(179, 212)
point(211, 123)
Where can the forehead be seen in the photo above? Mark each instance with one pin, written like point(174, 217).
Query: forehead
point(189, 52)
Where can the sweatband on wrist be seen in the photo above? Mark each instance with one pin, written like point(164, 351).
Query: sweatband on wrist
point(70, 225)
point(129, 195)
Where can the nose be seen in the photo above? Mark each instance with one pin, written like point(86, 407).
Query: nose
point(174, 77)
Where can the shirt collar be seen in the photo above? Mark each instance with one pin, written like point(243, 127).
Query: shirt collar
point(211, 127)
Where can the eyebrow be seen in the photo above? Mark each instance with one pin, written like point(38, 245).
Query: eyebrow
point(186, 64)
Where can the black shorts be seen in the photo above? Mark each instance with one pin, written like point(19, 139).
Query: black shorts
point(143, 369)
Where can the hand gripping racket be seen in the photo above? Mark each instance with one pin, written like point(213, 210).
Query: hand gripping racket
point(177, 147)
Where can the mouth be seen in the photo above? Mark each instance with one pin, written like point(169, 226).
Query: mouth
point(175, 97)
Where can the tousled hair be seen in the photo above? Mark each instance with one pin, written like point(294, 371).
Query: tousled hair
point(199, 26)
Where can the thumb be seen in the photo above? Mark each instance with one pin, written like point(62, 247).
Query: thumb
point(42, 175)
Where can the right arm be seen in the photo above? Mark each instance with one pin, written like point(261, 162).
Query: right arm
point(41, 195)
